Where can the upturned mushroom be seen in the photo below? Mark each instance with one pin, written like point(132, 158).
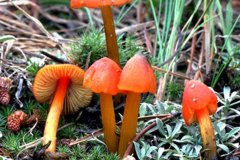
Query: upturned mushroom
point(61, 85)
point(137, 77)
point(102, 77)
point(198, 103)
point(108, 21)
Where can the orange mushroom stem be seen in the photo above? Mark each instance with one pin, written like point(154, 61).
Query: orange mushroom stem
point(102, 77)
point(108, 122)
point(207, 133)
point(108, 20)
point(199, 102)
point(131, 80)
point(110, 34)
point(129, 123)
point(50, 131)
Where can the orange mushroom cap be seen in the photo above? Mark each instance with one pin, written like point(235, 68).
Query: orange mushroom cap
point(97, 3)
point(137, 76)
point(46, 81)
point(197, 96)
point(103, 76)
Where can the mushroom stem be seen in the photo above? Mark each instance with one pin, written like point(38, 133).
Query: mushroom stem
point(111, 40)
point(55, 111)
point(129, 123)
point(109, 122)
point(207, 133)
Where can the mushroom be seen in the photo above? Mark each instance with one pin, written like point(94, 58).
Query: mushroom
point(102, 77)
point(60, 84)
point(197, 104)
point(137, 77)
point(108, 21)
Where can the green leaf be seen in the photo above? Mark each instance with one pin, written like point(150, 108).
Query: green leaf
point(169, 130)
point(175, 147)
point(143, 110)
point(198, 149)
point(223, 147)
point(160, 127)
point(137, 149)
point(160, 152)
point(187, 138)
point(150, 150)
point(229, 17)
point(234, 110)
point(226, 92)
point(177, 128)
point(6, 37)
point(231, 133)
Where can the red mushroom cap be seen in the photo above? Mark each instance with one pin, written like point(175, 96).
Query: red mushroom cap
point(97, 3)
point(103, 76)
point(137, 76)
point(197, 96)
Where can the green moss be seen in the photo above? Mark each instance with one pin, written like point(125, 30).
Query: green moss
point(79, 152)
point(174, 91)
point(91, 46)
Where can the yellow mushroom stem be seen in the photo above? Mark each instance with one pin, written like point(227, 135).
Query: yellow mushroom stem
point(129, 123)
point(108, 122)
point(110, 34)
point(207, 133)
point(55, 111)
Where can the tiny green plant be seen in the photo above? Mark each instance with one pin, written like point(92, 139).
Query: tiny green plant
point(91, 46)
point(79, 152)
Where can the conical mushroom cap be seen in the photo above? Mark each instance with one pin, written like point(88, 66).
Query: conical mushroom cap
point(137, 76)
point(103, 76)
point(46, 81)
point(197, 96)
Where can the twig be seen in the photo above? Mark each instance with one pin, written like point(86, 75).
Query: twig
point(39, 140)
point(171, 73)
point(196, 76)
point(145, 130)
point(100, 131)
point(54, 58)
point(191, 55)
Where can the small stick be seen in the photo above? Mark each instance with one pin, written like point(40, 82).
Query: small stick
point(100, 131)
point(145, 130)
point(171, 73)
point(191, 55)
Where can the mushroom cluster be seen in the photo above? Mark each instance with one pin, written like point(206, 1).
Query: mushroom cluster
point(106, 78)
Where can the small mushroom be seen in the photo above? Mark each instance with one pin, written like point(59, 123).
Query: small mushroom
point(198, 103)
point(102, 77)
point(107, 15)
point(61, 85)
point(137, 77)
point(15, 120)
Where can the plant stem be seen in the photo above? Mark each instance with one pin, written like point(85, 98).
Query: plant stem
point(207, 133)
point(111, 38)
point(109, 122)
point(129, 123)
point(55, 111)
